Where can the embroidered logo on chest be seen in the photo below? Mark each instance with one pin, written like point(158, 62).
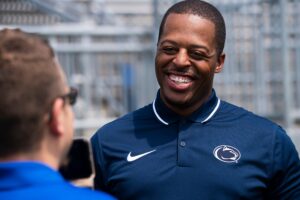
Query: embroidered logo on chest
point(131, 158)
point(226, 153)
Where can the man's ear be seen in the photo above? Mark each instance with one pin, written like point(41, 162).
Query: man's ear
point(56, 122)
point(220, 63)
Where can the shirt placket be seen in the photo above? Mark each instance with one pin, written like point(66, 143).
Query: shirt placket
point(182, 144)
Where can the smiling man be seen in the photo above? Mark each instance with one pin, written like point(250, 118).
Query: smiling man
point(188, 144)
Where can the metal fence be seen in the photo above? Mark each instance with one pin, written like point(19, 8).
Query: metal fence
point(262, 71)
point(263, 65)
point(112, 63)
point(110, 66)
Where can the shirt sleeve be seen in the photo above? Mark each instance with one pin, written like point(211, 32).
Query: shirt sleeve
point(99, 183)
point(285, 176)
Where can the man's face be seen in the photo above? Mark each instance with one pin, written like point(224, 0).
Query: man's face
point(69, 124)
point(68, 118)
point(186, 61)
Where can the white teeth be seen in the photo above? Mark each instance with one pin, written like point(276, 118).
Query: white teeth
point(180, 79)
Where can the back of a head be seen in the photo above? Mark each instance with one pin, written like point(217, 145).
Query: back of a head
point(201, 9)
point(29, 81)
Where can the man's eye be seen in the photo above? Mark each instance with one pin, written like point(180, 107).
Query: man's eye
point(198, 56)
point(169, 50)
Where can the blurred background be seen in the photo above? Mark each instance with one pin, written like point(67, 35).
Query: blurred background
point(107, 49)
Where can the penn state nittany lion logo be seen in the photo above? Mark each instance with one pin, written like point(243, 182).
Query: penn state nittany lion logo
point(226, 153)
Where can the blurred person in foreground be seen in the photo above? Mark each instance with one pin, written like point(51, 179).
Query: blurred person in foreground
point(36, 121)
point(188, 144)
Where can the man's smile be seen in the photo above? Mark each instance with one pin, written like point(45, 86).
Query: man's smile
point(179, 79)
point(179, 82)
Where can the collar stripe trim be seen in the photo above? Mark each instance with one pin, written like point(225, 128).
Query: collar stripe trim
point(213, 112)
point(205, 120)
point(156, 114)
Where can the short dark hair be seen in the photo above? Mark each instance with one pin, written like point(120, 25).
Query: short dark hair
point(29, 82)
point(201, 9)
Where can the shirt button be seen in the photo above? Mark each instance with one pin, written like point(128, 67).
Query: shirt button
point(182, 143)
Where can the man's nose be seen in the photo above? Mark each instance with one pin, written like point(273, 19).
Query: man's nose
point(182, 58)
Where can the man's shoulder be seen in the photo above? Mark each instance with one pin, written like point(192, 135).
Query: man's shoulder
point(59, 190)
point(69, 191)
point(242, 115)
point(128, 121)
point(77, 193)
point(145, 112)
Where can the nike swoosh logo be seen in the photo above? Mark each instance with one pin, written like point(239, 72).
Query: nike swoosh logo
point(133, 158)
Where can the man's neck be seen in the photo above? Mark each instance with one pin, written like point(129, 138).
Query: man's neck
point(38, 157)
point(186, 110)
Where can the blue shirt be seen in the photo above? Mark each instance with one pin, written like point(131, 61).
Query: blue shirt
point(35, 181)
point(221, 151)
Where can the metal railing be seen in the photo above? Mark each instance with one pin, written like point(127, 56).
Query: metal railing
point(112, 62)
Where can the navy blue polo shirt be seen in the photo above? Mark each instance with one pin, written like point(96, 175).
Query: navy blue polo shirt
point(221, 151)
